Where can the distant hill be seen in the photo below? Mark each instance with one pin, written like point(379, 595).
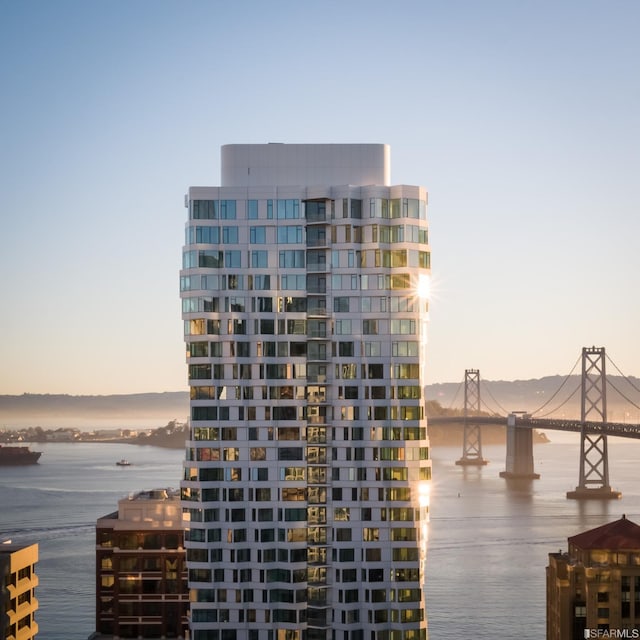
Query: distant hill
point(157, 409)
point(59, 410)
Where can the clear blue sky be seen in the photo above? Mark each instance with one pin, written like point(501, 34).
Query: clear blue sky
point(522, 118)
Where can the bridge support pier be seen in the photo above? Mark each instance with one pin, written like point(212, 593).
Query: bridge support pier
point(472, 443)
point(594, 456)
point(519, 452)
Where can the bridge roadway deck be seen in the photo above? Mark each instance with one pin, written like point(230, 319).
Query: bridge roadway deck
point(619, 429)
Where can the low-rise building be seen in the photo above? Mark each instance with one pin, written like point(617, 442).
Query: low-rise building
point(141, 582)
point(18, 581)
point(594, 587)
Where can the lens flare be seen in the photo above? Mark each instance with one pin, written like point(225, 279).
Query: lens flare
point(423, 289)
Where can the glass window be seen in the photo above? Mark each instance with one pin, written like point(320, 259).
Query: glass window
point(207, 235)
point(372, 348)
point(341, 304)
point(204, 209)
point(343, 534)
point(292, 259)
point(315, 210)
point(197, 349)
point(267, 326)
point(200, 372)
point(289, 234)
point(235, 303)
point(316, 237)
point(230, 235)
point(210, 259)
point(227, 209)
point(288, 209)
point(345, 349)
point(237, 327)
point(213, 327)
point(404, 348)
point(189, 259)
point(297, 327)
point(343, 327)
point(261, 282)
point(399, 258)
point(291, 304)
point(259, 259)
point(258, 235)
point(293, 282)
point(370, 327)
point(297, 349)
point(265, 304)
point(232, 260)
point(400, 281)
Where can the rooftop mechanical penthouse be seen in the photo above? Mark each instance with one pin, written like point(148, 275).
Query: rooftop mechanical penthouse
point(306, 481)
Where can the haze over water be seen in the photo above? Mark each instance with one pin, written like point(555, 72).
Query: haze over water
point(488, 543)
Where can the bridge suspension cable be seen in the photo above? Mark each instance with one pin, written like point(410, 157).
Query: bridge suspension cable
point(573, 393)
point(613, 386)
point(626, 378)
point(486, 388)
point(455, 395)
point(558, 391)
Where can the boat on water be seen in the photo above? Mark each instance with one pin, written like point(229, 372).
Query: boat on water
point(18, 456)
point(123, 463)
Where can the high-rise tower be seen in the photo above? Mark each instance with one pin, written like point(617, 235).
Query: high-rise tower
point(306, 480)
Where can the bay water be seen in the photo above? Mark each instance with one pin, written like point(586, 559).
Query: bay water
point(489, 539)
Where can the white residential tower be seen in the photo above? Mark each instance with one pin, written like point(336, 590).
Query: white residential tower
point(307, 473)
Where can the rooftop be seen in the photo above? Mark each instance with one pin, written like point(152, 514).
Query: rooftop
point(617, 535)
point(8, 546)
point(158, 508)
point(245, 165)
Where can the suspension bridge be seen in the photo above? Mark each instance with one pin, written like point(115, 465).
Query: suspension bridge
point(593, 426)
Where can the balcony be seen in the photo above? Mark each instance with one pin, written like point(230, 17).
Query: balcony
point(315, 209)
point(318, 312)
point(317, 617)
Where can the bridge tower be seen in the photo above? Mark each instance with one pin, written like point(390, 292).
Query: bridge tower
point(472, 443)
point(594, 457)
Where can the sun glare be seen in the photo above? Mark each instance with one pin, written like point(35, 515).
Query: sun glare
point(423, 289)
point(424, 493)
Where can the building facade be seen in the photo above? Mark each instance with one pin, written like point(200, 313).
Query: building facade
point(141, 580)
point(306, 480)
point(18, 581)
point(594, 587)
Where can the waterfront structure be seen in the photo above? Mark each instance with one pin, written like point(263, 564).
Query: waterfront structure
point(18, 581)
point(595, 585)
point(306, 479)
point(141, 587)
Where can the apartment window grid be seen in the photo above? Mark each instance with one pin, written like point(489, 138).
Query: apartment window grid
point(294, 479)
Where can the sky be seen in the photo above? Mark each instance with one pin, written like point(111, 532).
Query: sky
point(521, 118)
